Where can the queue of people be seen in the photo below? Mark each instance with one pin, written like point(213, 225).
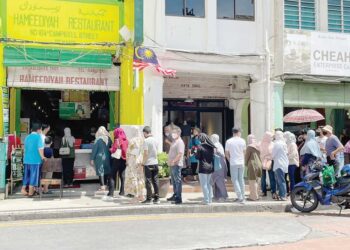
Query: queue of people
point(134, 161)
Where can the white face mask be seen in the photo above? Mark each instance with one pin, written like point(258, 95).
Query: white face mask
point(174, 136)
point(167, 134)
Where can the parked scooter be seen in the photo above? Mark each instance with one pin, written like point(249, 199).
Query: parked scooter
point(319, 186)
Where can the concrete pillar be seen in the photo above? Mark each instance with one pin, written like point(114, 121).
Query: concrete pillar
point(278, 103)
point(211, 13)
point(241, 119)
point(258, 109)
point(153, 104)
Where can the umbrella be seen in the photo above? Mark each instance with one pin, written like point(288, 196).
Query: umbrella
point(302, 116)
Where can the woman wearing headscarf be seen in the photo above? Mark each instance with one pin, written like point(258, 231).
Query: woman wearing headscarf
point(266, 147)
point(134, 175)
point(219, 176)
point(68, 160)
point(293, 157)
point(205, 156)
point(310, 152)
point(280, 164)
point(254, 167)
point(101, 159)
point(118, 153)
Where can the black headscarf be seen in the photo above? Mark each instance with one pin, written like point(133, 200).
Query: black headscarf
point(204, 139)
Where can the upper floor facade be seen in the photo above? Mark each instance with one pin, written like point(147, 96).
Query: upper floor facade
point(207, 26)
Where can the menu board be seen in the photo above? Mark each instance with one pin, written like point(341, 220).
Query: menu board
point(74, 110)
point(5, 107)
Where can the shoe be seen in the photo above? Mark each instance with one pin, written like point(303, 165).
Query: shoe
point(107, 198)
point(264, 195)
point(172, 198)
point(121, 193)
point(48, 192)
point(242, 201)
point(156, 201)
point(283, 199)
point(147, 202)
point(236, 200)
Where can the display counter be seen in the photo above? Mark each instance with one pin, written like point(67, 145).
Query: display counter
point(83, 170)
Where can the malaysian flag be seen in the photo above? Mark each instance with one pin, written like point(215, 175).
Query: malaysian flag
point(145, 57)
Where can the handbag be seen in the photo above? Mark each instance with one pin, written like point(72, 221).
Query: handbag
point(118, 153)
point(217, 163)
point(64, 150)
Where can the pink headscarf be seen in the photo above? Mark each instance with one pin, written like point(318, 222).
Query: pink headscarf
point(266, 146)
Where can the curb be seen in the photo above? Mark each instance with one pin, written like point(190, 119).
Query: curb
point(141, 210)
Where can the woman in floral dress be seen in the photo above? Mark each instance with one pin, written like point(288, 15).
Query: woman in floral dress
point(134, 176)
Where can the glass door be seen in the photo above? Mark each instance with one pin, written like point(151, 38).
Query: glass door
point(212, 123)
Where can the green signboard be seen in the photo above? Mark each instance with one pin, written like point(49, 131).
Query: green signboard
point(74, 110)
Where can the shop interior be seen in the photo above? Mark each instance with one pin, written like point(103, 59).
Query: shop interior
point(78, 110)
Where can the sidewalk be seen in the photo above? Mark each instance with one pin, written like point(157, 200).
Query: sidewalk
point(86, 202)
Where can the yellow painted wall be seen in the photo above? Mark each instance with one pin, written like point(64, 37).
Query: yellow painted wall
point(131, 100)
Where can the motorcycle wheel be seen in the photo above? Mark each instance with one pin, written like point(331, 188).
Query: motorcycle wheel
point(303, 202)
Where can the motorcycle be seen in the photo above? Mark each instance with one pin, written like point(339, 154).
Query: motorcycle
point(307, 194)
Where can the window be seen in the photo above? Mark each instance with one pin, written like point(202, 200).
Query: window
point(236, 9)
point(244, 9)
point(339, 15)
point(299, 14)
point(191, 8)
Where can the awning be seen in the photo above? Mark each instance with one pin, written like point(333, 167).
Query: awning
point(21, 56)
point(316, 95)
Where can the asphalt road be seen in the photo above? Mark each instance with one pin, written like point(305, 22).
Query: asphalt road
point(176, 231)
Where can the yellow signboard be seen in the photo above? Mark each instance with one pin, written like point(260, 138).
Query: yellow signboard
point(62, 21)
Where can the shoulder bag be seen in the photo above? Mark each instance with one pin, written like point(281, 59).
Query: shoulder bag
point(64, 150)
point(118, 153)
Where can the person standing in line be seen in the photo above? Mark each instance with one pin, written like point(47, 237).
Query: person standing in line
point(167, 140)
point(321, 140)
point(219, 176)
point(333, 149)
point(192, 149)
point(134, 173)
point(254, 167)
point(205, 156)
point(101, 159)
point(310, 152)
point(68, 160)
point(293, 157)
point(176, 163)
point(45, 129)
point(33, 158)
point(266, 147)
point(235, 151)
point(118, 153)
point(150, 164)
point(280, 164)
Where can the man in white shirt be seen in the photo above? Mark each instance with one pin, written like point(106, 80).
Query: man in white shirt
point(150, 164)
point(235, 150)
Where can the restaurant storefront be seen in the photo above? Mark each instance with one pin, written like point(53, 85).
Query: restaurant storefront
point(64, 63)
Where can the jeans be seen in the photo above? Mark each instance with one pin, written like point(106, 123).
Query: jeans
point(207, 189)
point(237, 177)
point(281, 182)
point(272, 181)
point(291, 173)
point(177, 182)
point(151, 175)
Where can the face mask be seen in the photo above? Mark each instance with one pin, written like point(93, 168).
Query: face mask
point(167, 134)
point(174, 136)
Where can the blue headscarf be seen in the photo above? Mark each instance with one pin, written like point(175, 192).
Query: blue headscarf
point(311, 146)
